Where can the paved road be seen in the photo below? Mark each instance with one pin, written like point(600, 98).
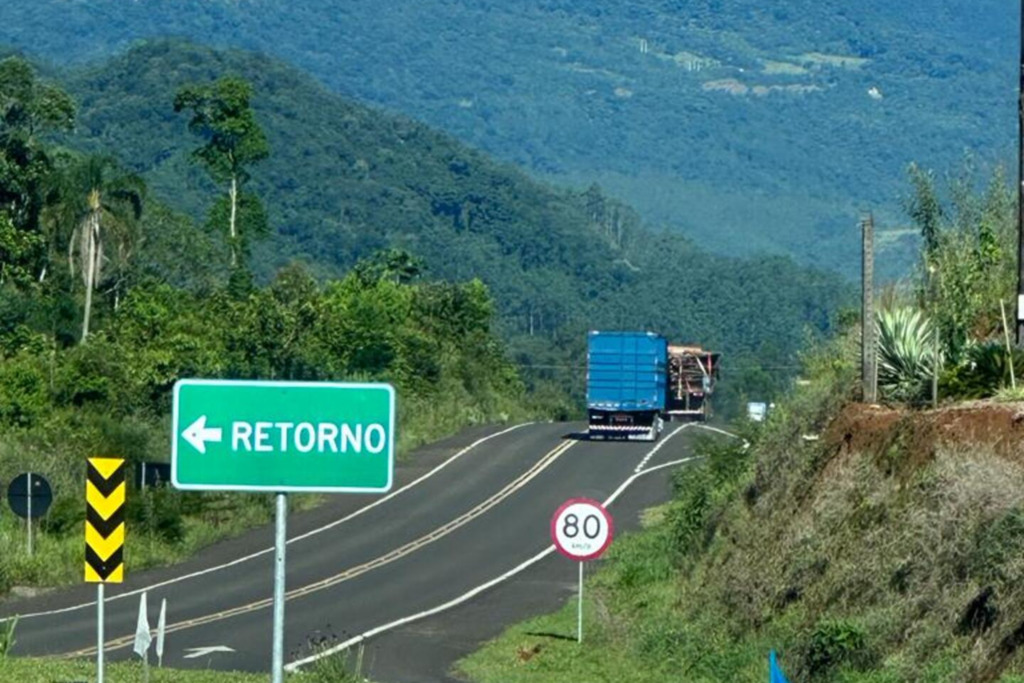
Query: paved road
point(478, 516)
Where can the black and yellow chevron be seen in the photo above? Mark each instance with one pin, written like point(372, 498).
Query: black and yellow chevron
point(104, 521)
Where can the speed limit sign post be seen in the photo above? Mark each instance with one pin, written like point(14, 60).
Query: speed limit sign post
point(582, 530)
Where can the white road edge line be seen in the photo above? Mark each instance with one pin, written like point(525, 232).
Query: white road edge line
point(308, 534)
point(647, 458)
point(341, 647)
point(746, 444)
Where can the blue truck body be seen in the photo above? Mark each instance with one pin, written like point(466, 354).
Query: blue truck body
point(626, 384)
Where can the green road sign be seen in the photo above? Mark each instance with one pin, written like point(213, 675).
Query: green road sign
point(233, 435)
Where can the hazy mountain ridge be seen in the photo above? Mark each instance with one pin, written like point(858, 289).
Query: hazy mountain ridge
point(729, 119)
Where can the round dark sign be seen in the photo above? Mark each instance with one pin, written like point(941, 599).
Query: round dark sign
point(19, 495)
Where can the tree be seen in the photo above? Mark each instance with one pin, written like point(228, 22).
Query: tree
point(396, 265)
point(28, 110)
point(221, 115)
point(99, 207)
point(925, 209)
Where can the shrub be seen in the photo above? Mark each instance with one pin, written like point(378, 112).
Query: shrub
point(833, 643)
point(157, 511)
point(906, 354)
point(982, 372)
point(66, 515)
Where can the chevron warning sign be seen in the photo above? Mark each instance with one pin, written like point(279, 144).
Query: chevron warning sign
point(104, 521)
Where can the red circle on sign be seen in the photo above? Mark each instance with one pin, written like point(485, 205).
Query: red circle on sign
point(600, 510)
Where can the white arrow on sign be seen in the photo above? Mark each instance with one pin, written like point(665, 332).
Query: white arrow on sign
point(195, 652)
point(198, 434)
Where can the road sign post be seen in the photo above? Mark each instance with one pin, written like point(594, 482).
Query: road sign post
point(29, 496)
point(582, 530)
point(104, 535)
point(280, 545)
point(282, 437)
point(579, 608)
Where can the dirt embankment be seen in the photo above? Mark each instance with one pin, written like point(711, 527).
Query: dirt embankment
point(917, 435)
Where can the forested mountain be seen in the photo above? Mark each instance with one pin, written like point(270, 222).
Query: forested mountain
point(749, 126)
point(343, 181)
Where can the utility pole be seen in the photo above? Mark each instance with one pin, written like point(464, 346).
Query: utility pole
point(869, 354)
point(1020, 188)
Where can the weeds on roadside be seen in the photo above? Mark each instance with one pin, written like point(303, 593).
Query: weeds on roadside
point(7, 636)
point(335, 668)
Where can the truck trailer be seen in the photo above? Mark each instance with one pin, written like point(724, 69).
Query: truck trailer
point(627, 374)
point(692, 373)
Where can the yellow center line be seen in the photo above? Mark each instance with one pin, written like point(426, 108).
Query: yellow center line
point(352, 572)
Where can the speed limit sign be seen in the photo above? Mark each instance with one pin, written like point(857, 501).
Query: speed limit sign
point(581, 529)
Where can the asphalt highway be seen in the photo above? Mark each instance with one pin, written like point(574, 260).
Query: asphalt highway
point(361, 562)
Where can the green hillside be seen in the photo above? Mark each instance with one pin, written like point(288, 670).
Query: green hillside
point(864, 542)
point(344, 180)
point(747, 127)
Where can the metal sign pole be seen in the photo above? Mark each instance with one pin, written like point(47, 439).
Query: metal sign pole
point(99, 632)
point(280, 537)
point(28, 520)
point(1020, 188)
point(579, 611)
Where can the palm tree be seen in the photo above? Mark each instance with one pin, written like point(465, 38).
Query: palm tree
point(99, 206)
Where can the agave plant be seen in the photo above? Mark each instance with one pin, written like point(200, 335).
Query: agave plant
point(906, 354)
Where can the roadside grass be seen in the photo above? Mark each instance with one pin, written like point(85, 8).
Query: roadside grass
point(57, 556)
point(630, 633)
point(42, 670)
point(46, 670)
point(345, 667)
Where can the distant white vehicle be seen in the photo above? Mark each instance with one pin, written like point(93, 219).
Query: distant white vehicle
point(757, 412)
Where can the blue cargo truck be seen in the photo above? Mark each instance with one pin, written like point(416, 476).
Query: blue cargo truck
point(626, 384)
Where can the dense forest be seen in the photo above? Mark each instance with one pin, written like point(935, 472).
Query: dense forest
point(751, 128)
point(345, 181)
point(107, 297)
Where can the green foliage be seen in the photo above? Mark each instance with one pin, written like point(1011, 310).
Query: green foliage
point(906, 354)
point(1010, 394)
point(968, 275)
point(397, 265)
point(48, 670)
point(969, 270)
point(339, 668)
point(983, 371)
point(832, 644)
point(7, 640)
point(65, 517)
point(703, 490)
point(18, 249)
point(29, 110)
point(157, 511)
point(223, 117)
point(925, 210)
point(997, 545)
point(94, 210)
